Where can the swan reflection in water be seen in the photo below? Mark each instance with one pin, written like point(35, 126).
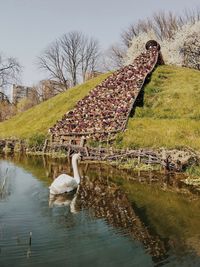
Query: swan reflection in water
point(106, 200)
point(66, 199)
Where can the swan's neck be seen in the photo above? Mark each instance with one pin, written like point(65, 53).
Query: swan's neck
point(75, 171)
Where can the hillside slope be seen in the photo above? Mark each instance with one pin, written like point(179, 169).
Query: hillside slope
point(170, 116)
point(41, 117)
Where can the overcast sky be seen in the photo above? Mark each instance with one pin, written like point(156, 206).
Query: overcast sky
point(28, 26)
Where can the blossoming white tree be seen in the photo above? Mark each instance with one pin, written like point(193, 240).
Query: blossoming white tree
point(175, 49)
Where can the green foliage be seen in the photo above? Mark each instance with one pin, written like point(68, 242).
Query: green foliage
point(170, 115)
point(193, 171)
point(24, 104)
point(36, 141)
point(169, 118)
point(134, 165)
point(144, 112)
point(152, 90)
point(93, 143)
point(118, 140)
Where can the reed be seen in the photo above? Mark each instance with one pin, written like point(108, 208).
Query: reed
point(3, 181)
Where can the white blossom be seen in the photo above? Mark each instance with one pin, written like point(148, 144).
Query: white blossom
point(172, 49)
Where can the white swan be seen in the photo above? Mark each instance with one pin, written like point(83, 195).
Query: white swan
point(65, 183)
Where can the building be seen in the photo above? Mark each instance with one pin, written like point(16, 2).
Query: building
point(50, 88)
point(19, 92)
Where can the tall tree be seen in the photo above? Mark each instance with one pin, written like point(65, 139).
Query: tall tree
point(53, 61)
point(70, 57)
point(89, 56)
point(9, 70)
point(163, 24)
point(71, 44)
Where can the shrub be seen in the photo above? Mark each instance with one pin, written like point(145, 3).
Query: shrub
point(191, 55)
point(175, 50)
point(36, 141)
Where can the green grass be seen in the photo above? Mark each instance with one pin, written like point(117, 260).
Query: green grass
point(170, 214)
point(40, 118)
point(170, 116)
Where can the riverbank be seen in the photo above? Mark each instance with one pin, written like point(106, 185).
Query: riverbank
point(184, 162)
point(166, 118)
point(167, 114)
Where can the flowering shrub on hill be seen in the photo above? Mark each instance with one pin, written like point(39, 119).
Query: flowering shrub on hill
point(191, 51)
point(182, 49)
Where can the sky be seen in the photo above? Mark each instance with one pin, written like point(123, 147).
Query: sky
point(27, 27)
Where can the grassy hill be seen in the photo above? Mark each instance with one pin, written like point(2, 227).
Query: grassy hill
point(41, 117)
point(169, 118)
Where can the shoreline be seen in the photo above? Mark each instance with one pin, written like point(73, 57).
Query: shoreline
point(185, 161)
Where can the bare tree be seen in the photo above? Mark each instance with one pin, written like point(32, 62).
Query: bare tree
point(70, 57)
point(134, 30)
point(191, 15)
point(163, 24)
point(80, 53)
point(113, 58)
point(53, 61)
point(46, 89)
point(89, 56)
point(9, 70)
point(166, 24)
point(7, 110)
point(71, 45)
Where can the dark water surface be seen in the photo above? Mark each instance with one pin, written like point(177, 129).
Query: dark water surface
point(115, 218)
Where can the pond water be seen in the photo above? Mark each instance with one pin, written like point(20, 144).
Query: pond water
point(115, 219)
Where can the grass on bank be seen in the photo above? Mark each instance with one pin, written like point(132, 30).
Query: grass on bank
point(39, 119)
point(170, 116)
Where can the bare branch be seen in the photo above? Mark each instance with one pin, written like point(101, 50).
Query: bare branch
point(163, 24)
point(52, 61)
point(70, 57)
point(9, 70)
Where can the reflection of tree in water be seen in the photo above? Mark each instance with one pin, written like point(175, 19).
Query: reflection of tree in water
point(54, 168)
point(175, 220)
point(5, 185)
point(106, 200)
